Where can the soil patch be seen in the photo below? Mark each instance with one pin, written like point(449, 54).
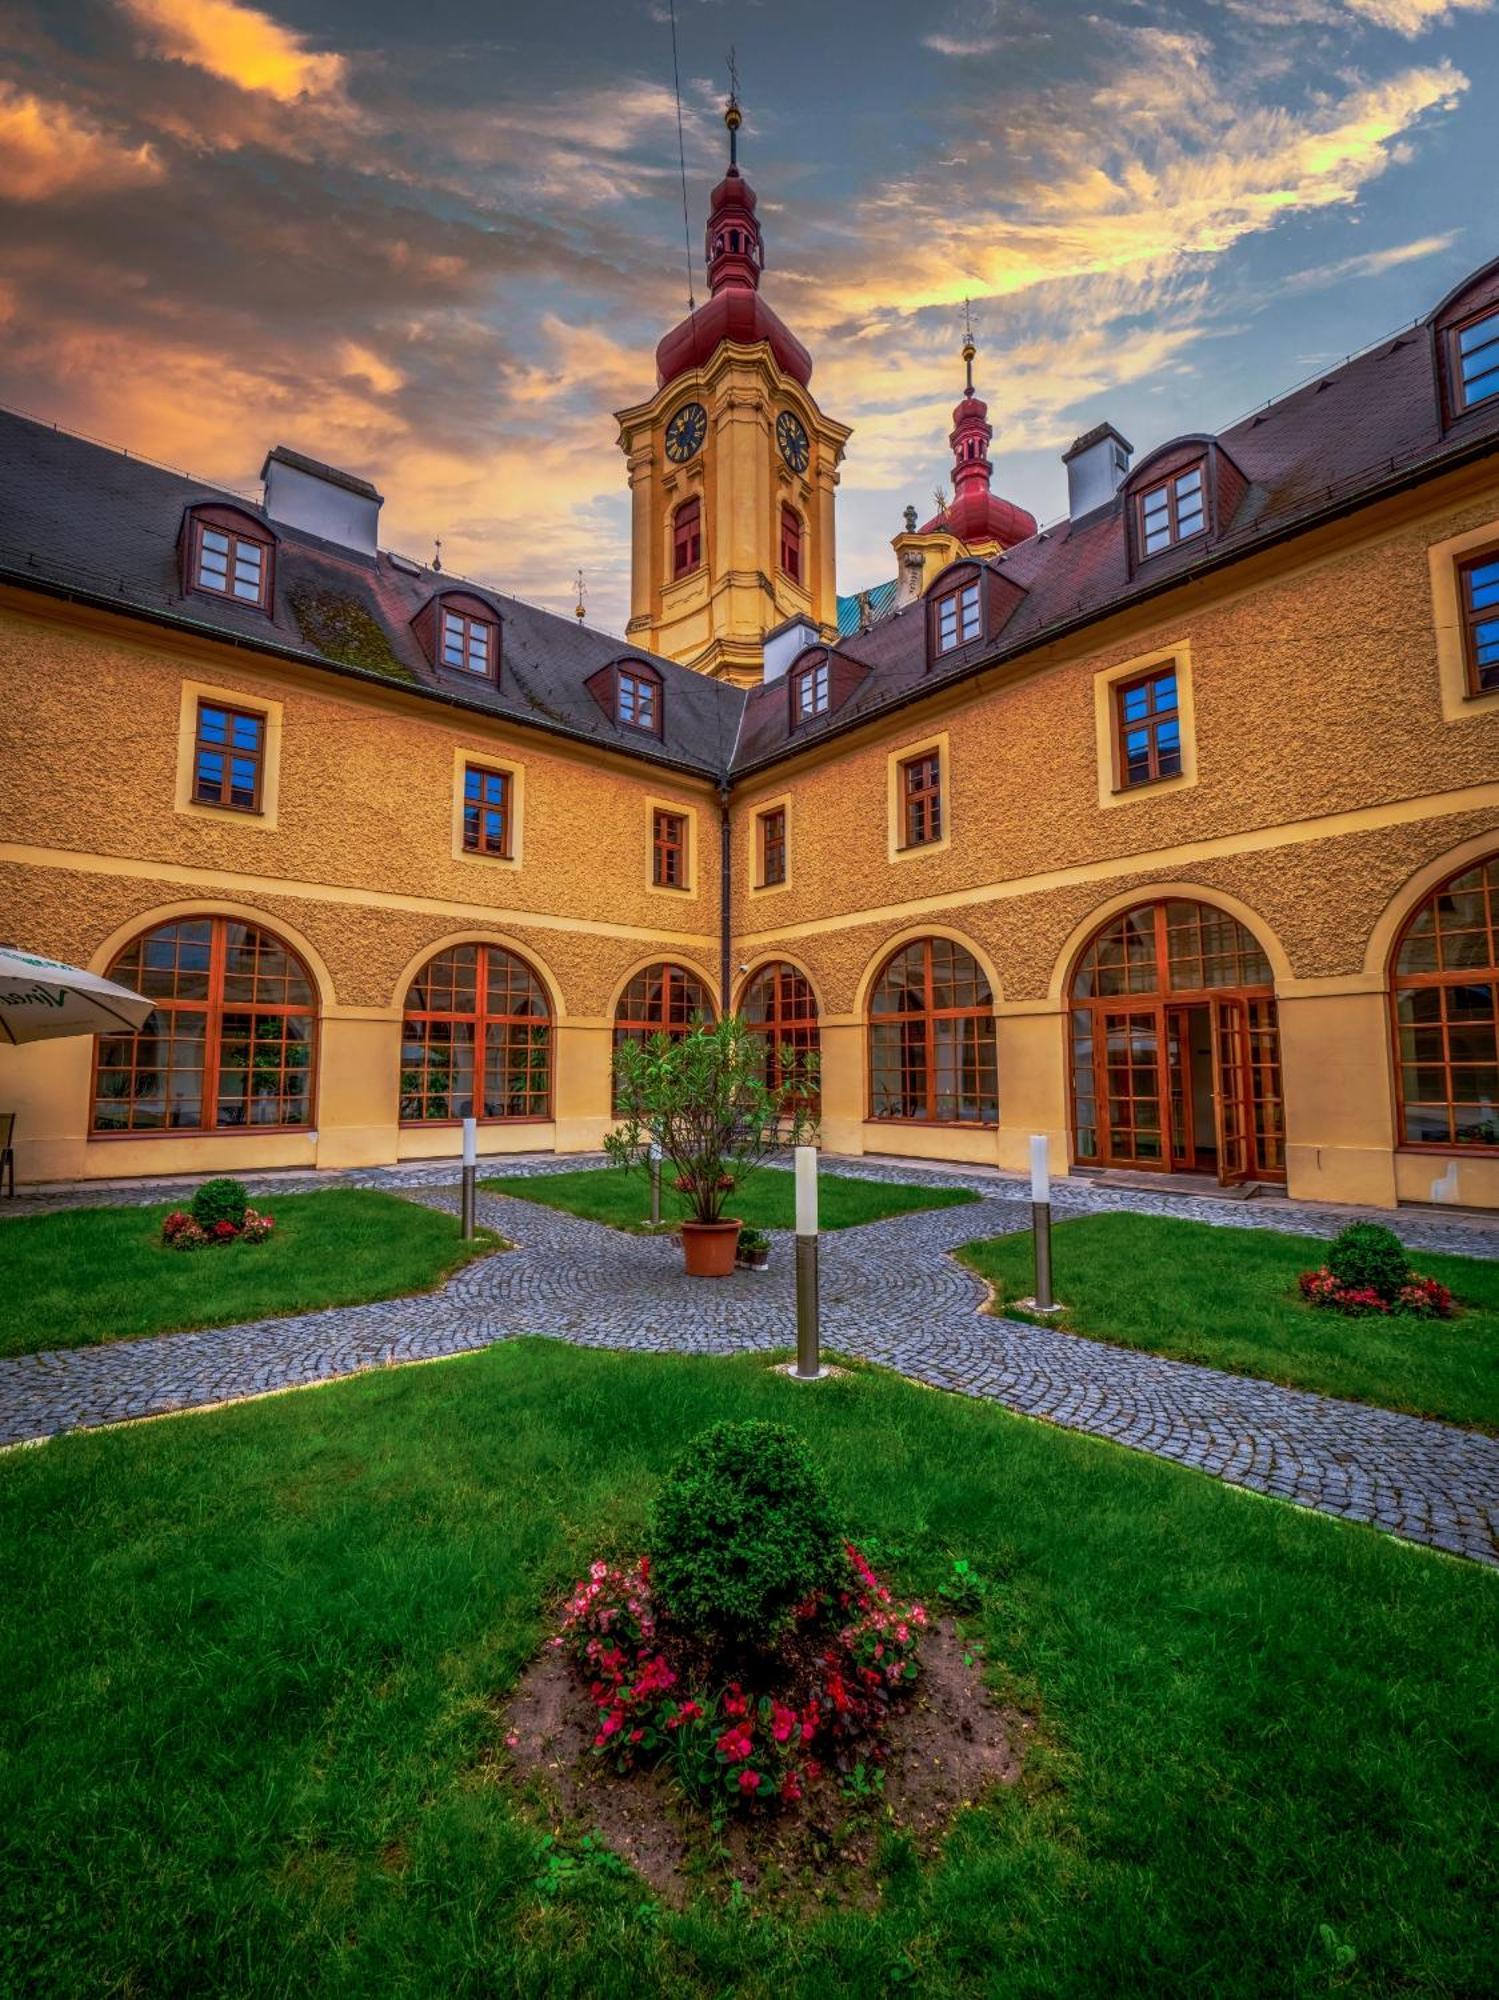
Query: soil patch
point(945, 1746)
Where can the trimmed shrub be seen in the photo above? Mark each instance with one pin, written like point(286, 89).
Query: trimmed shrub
point(219, 1201)
point(1367, 1257)
point(741, 1533)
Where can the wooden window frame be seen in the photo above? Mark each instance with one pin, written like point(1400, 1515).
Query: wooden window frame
point(1461, 404)
point(213, 1006)
point(790, 1019)
point(971, 586)
point(482, 806)
point(921, 806)
point(816, 680)
point(792, 536)
point(483, 1017)
point(648, 684)
point(985, 1045)
point(670, 843)
point(224, 802)
point(1441, 979)
point(1169, 486)
point(237, 540)
point(1471, 618)
point(469, 625)
point(687, 537)
point(1151, 724)
point(666, 1018)
point(769, 846)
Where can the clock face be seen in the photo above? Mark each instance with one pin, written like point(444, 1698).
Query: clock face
point(685, 433)
point(791, 436)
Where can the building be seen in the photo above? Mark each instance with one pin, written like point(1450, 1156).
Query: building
point(1170, 830)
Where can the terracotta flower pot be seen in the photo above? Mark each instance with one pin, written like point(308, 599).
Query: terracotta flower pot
point(708, 1248)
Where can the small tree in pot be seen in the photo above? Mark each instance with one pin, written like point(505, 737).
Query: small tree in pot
point(704, 1098)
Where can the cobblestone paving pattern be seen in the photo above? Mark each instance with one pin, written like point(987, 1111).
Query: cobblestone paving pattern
point(891, 1293)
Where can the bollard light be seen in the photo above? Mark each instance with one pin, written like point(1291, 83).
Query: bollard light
point(1041, 1224)
point(655, 1183)
point(808, 1333)
point(1040, 1168)
point(470, 1175)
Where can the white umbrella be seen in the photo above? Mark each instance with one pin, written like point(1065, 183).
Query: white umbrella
point(40, 998)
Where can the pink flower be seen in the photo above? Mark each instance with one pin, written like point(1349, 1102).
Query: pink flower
point(782, 1722)
point(749, 1781)
point(513, 1738)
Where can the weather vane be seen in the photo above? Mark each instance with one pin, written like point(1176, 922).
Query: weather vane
point(578, 612)
point(437, 554)
point(969, 350)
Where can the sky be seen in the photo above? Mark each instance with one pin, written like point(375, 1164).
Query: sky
point(436, 244)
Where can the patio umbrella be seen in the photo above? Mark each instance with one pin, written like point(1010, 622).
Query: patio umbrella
point(40, 999)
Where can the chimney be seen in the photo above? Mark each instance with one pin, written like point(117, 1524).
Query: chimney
point(320, 500)
point(1097, 466)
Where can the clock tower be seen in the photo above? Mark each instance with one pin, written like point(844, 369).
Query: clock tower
point(733, 467)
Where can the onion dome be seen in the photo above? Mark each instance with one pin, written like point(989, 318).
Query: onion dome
point(735, 310)
point(975, 514)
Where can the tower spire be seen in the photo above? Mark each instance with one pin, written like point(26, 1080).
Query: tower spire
point(733, 117)
point(736, 251)
point(969, 350)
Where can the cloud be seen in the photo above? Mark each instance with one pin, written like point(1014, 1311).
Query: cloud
point(1413, 17)
point(239, 44)
point(1371, 263)
point(959, 46)
point(48, 150)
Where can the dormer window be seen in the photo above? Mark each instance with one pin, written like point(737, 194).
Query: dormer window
point(959, 617)
point(230, 563)
point(1475, 361)
point(637, 700)
point(1172, 512)
point(467, 643)
point(811, 692)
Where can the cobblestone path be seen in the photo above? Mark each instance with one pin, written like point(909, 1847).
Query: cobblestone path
point(891, 1294)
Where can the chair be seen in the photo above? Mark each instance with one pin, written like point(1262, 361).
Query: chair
point(7, 1150)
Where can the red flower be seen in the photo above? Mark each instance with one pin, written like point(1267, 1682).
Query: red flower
point(749, 1781)
point(224, 1230)
point(735, 1745)
point(782, 1722)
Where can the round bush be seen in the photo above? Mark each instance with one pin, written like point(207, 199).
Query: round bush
point(1367, 1256)
point(741, 1532)
point(219, 1201)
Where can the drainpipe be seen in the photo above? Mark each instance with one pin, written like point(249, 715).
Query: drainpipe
point(725, 896)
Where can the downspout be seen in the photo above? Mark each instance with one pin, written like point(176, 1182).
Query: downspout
point(725, 896)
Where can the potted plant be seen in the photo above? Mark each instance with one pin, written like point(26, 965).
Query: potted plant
point(753, 1253)
point(704, 1098)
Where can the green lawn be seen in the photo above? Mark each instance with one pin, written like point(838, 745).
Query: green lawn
point(91, 1274)
point(766, 1201)
point(251, 1661)
point(1228, 1297)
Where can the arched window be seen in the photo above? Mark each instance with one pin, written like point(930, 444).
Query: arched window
point(663, 999)
point(1446, 1001)
point(476, 1040)
point(1176, 1046)
point(687, 537)
point(780, 1006)
point(931, 1038)
point(229, 1043)
point(791, 543)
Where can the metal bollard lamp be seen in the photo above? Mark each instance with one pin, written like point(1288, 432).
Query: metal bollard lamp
point(470, 1175)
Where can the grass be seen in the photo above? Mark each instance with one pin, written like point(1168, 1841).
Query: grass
point(252, 1657)
point(766, 1201)
point(1228, 1297)
point(87, 1275)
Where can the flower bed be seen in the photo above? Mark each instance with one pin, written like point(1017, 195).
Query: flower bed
point(817, 1700)
point(1367, 1273)
point(220, 1214)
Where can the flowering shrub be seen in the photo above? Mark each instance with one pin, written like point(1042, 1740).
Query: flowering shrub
point(182, 1231)
point(847, 1654)
point(1367, 1257)
point(220, 1200)
point(1417, 1297)
point(1425, 1298)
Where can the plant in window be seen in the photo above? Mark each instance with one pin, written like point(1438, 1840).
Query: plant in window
point(703, 1098)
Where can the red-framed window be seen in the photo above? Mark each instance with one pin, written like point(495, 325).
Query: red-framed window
point(487, 827)
point(476, 1040)
point(932, 1057)
point(229, 1044)
point(791, 543)
point(1445, 998)
point(1473, 348)
point(772, 826)
point(468, 643)
point(1478, 589)
point(1174, 511)
point(811, 691)
point(637, 700)
point(959, 617)
point(230, 564)
point(662, 999)
point(921, 799)
point(228, 757)
point(687, 537)
point(779, 1006)
point(1148, 728)
point(668, 849)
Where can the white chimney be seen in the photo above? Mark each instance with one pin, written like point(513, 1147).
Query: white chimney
point(1097, 466)
point(320, 500)
point(785, 642)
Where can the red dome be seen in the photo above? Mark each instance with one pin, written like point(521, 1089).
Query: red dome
point(981, 516)
point(736, 313)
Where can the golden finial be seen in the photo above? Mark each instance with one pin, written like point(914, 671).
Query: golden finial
point(578, 612)
point(732, 116)
point(969, 350)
